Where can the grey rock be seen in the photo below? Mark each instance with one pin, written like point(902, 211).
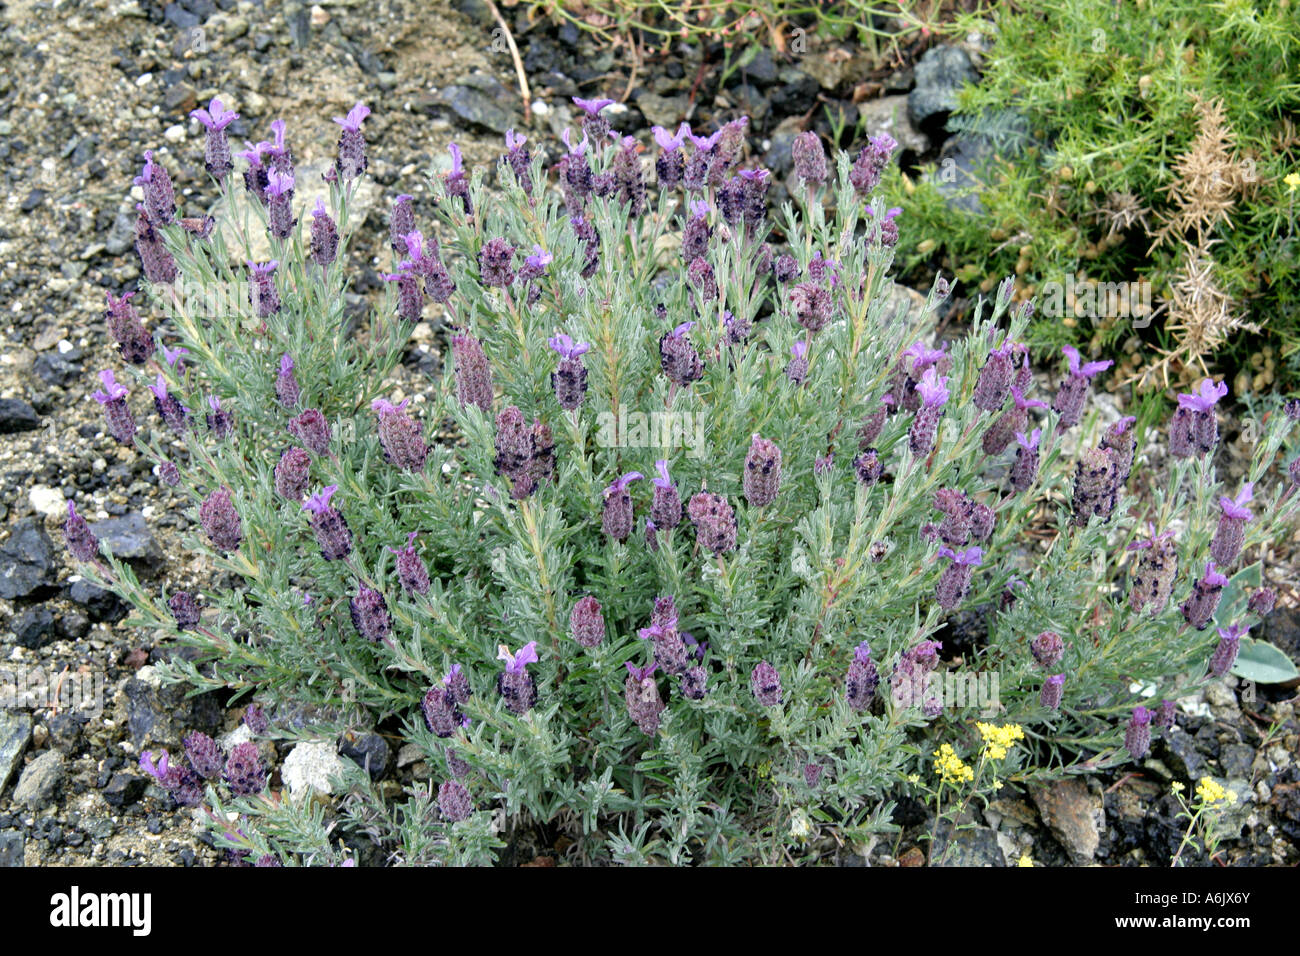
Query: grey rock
point(310, 766)
point(797, 93)
point(26, 561)
point(159, 716)
point(15, 732)
point(1073, 814)
point(11, 848)
point(939, 75)
point(40, 781)
point(889, 114)
point(130, 540)
point(761, 70)
point(369, 751)
point(1179, 752)
point(1235, 760)
point(958, 175)
point(32, 627)
point(299, 20)
point(122, 236)
point(17, 416)
point(100, 603)
point(124, 789)
point(58, 368)
point(976, 846)
point(665, 111)
point(34, 199)
point(476, 108)
point(179, 17)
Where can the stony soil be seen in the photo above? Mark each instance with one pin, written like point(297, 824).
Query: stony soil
point(90, 87)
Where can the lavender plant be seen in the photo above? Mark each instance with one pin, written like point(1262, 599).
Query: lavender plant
point(706, 666)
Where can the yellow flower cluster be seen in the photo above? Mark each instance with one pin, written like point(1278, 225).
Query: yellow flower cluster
point(998, 740)
point(1211, 793)
point(1025, 860)
point(950, 767)
point(1292, 180)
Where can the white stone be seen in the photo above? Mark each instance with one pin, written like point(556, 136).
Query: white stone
point(174, 133)
point(309, 766)
point(48, 501)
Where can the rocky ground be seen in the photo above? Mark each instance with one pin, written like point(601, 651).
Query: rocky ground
point(92, 85)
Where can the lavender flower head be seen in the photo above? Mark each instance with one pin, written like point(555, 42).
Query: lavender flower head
point(401, 436)
point(954, 583)
point(412, 573)
point(714, 520)
point(262, 293)
point(1194, 429)
point(457, 182)
point(1073, 392)
point(666, 507)
point(862, 679)
point(641, 694)
point(1025, 468)
point(593, 124)
point(1050, 695)
point(569, 380)
point(216, 148)
point(244, 774)
point(762, 478)
point(159, 196)
point(586, 623)
point(168, 406)
point(333, 536)
point(1201, 604)
point(616, 519)
point(518, 159)
point(678, 357)
point(286, 383)
point(221, 521)
point(1137, 738)
point(121, 424)
point(809, 159)
point(1225, 655)
point(82, 542)
point(351, 161)
point(369, 613)
point(515, 684)
point(933, 393)
point(765, 682)
point(1230, 534)
point(797, 368)
point(324, 236)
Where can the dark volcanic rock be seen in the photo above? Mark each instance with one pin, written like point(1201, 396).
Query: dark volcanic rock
point(100, 603)
point(32, 627)
point(17, 416)
point(939, 75)
point(130, 539)
point(369, 751)
point(26, 561)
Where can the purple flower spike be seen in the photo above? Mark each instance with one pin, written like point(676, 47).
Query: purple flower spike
point(1205, 397)
point(1225, 655)
point(355, 117)
point(319, 503)
point(1236, 507)
point(215, 117)
point(932, 389)
point(592, 107)
point(622, 482)
point(81, 540)
point(1137, 738)
point(567, 348)
point(1230, 534)
point(113, 389)
point(154, 767)
point(351, 161)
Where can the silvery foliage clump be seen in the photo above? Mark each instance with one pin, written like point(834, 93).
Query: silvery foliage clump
point(473, 574)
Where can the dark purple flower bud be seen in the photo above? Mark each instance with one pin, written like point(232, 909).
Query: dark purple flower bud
point(401, 436)
point(410, 294)
point(401, 223)
point(255, 177)
point(263, 296)
point(457, 182)
point(671, 652)
point(586, 622)
point(982, 520)
point(809, 158)
point(286, 383)
point(515, 684)
point(1201, 604)
point(441, 714)
point(954, 583)
point(351, 161)
point(1048, 648)
point(514, 445)
point(1119, 443)
point(454, 801)
point(169, 408)
point(1025, 469)
point(291, 473)
point(797, 368)
point(134, 342)
point(324, 236)
point(670, 166)
point(1231, 532)
point(616, 519)
point(1153, 577)
point(1011, 422)
point(82, 543)
point(169, 473)
point(333, 536)
point(159, 196)
point(786, 269)
point(495, 263)
point(925, 425)
point(1194, 428)
point(812, 305)
point(457, 684)
point(678, 358)
point(279, 205)
point(868, 467)
point(693, 683)
point(216, 148)
point(885, 229)
point(1294, 471)
point(907, 684)
point(1074, 390)
point(1053, 689)
point(473, 377)
point(281, 155)
point(1225, 655)
point(158, 265)
point(731, 201)
point(220, 520)
point(666, 506)
point(695, 235)
point(1292, 409)
point(255, 720)
point(766, 684)
point(185, 609)
point(641, 693)
point(370, 614)
point(875, 422)
point(205, 756)
point(754, 183)
point(1262, 601)
point(1096, 489)
point(519, 160)
point(313, 430)
point(995, 380)
point(412, 573)
point(219, 420)
point(958, 512)
point(865, 174)
point(812, 775)
point(714, 520)
point(1137, 738)
point(762, 478)
point(570, 378)
point(244, 773)
point(1166, 715)
point(628, 180)
point(862, 679)
point(700, 277)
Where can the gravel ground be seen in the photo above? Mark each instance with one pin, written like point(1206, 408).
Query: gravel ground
point(90, 87)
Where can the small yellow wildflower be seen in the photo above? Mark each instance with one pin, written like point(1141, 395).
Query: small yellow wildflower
point(1177, 787)
point(997, 740)
point(1211, 793)
point(950, 767)
point(800, 824)
point(997, 784)
point(1025, 860)
point(913, 778)
point(1292, 181)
